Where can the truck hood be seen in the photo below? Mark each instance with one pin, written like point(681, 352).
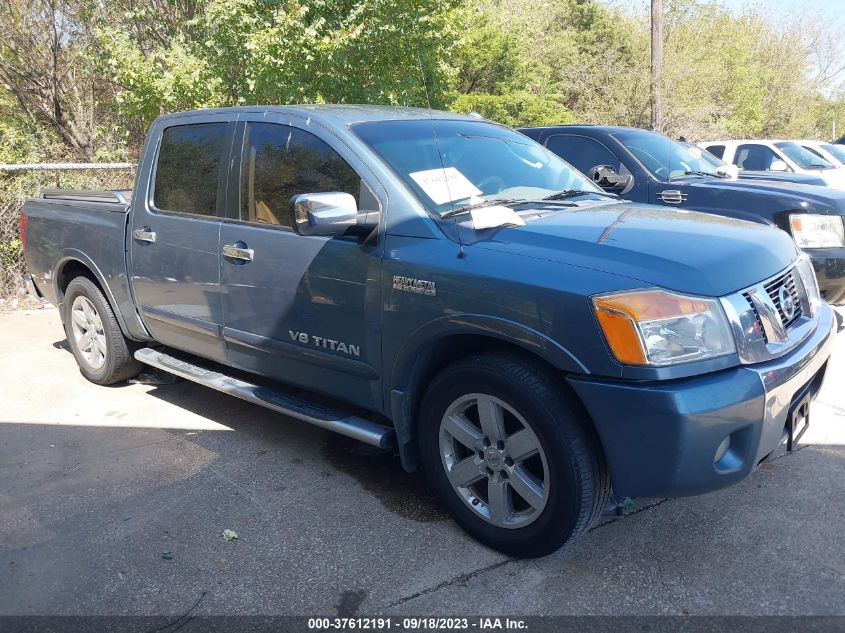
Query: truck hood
point(680, 250)
point(824, 197)
point(833, 177)
point(780, 176)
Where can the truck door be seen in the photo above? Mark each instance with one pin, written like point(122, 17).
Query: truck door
point(301, 309)
point(174, 240)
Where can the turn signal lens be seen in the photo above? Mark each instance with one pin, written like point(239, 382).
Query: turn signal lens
point(655, 327)
point(622, 336)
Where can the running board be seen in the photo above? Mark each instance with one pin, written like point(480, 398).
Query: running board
point(327, 418)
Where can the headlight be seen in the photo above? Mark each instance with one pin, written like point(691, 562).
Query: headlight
point(655, 327)
point(811, 284)
point(817, 231)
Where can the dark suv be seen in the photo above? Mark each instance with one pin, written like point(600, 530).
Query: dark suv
point(645, 166)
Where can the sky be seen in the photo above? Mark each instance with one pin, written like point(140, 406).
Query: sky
point(834, 7)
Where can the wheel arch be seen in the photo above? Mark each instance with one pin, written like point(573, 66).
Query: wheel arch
point(447, 339)
point(74, 264)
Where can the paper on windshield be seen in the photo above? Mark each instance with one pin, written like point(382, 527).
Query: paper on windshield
point(493, 216)
point(444, 184)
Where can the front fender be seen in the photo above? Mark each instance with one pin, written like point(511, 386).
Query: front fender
point(484, 325)
point(412, 363)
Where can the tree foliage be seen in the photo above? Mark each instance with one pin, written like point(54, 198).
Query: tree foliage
point(234, 52)
point(725, 73)
point(46, 84)
point(85, 77)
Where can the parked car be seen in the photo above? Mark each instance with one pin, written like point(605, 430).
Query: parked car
point(832, 153)
point(734, 173)
point(445, 285)
point(776, 156)
point(645, 166)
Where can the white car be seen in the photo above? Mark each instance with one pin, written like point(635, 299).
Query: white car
point(777, 156)
point(834, 154)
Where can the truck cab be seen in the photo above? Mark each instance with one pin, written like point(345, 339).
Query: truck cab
point(778, 157)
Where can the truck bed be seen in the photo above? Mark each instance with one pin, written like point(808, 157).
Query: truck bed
point(84, 225)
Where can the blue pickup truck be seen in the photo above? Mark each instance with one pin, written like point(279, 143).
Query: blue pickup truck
point(645, 166)
point(448, 288)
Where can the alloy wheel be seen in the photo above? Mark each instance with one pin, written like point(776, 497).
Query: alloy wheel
point(494, 460)
point(88, 332)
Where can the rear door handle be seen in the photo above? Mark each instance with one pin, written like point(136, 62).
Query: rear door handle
point(144, 235)
point(238, 251)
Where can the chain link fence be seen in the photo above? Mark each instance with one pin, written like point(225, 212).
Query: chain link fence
point(19, 182)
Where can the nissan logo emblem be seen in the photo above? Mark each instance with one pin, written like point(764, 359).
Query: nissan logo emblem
point(787, 303)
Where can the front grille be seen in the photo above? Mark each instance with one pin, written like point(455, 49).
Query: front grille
point(758, 326)
point(786, 281)
point(773, 288)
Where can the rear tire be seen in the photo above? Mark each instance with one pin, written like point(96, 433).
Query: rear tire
point(541, 482)
point(103, 354)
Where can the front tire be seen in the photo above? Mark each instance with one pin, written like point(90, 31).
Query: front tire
point(511, 454)
point(103, 354)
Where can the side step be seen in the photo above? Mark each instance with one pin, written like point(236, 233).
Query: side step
point(327, 418)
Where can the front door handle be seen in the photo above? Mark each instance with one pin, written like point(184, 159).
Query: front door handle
point(238, 251)
point(144, 235)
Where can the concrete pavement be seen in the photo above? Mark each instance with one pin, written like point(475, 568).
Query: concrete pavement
point(113, 501)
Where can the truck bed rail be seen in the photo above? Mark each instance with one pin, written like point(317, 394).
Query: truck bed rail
point(88, 195)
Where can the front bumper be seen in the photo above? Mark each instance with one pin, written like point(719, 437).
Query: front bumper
point(661, 438)
point(830, 271)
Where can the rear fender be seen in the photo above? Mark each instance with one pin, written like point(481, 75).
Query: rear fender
point(131, 327)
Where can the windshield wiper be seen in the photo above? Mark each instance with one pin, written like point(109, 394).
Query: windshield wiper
point(571, 193)
point(480, 205)
point(698, 172)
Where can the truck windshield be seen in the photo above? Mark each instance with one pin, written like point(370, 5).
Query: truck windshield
point(455, 164)
point(707, 157)
point(837, 151)
point(664, 157)
point(804, 158)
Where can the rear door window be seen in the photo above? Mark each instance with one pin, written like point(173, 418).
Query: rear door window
point(188, 170)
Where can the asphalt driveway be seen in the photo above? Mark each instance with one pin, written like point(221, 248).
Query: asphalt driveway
point(114, 501)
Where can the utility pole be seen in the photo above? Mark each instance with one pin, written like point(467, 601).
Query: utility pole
point(656, 64)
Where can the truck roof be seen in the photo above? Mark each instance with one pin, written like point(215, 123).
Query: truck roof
point(340, 113)
point(584, 126)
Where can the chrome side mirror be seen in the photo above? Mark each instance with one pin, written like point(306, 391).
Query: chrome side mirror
point(728, 171)
point(606, 177)
point(330, 214)
point(778, 165)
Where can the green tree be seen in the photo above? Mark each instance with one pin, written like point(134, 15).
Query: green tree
point(236, 52)
point(518, 109)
